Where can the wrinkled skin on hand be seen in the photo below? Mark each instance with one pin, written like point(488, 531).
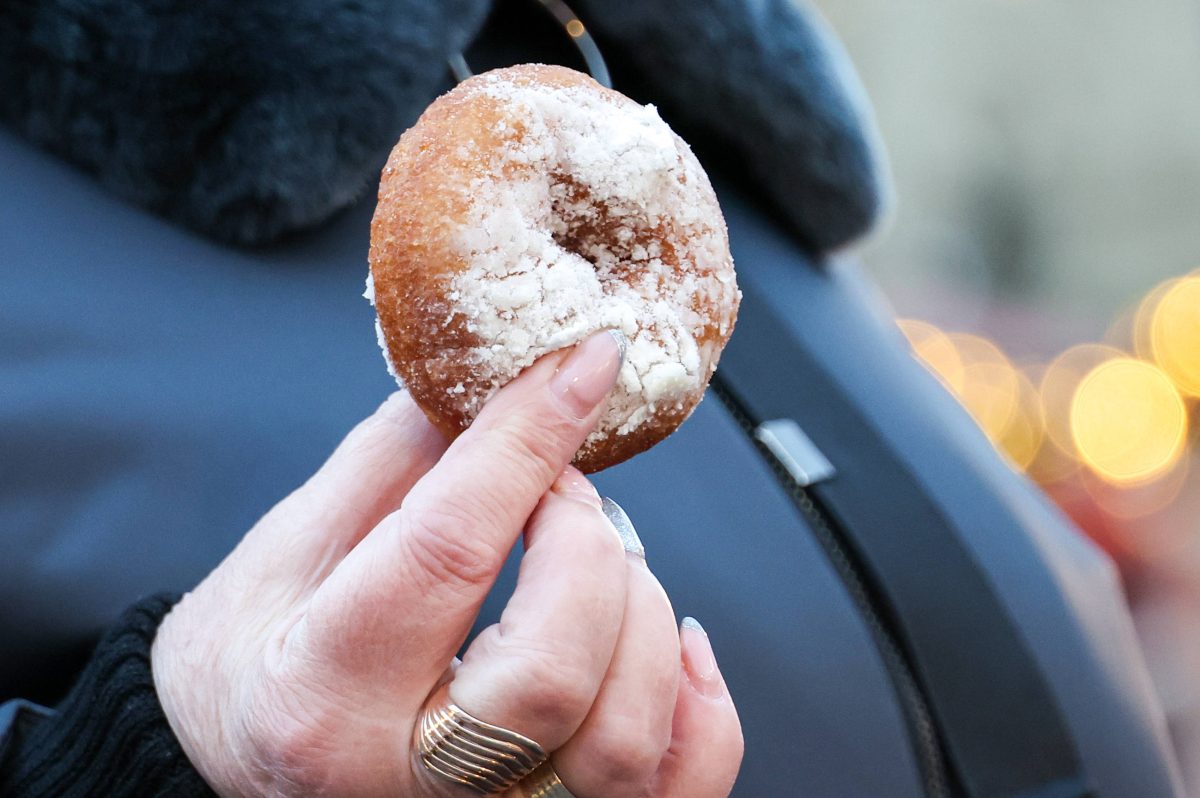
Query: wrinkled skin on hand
point(301, 665)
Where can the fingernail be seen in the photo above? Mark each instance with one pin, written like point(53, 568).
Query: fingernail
point(572, 484)
point(620, 521)
point(698, 659)
point(588, 373)
point(622, 346)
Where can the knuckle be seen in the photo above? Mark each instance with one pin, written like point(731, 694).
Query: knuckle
point(287, 751)
point(535, 445)
point(375, 437)
point(622, 756)
point(311, 506)
point(510, 465)
point(501, 497)
point(397, 417)
point(399, 407)
point(443, 547)
point(602, 547)
point(554, 689)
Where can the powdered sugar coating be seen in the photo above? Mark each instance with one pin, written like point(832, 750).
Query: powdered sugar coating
point(581, 211)
point(380, 338)
point(526, 294)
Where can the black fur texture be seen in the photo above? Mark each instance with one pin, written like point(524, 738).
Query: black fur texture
point(244, 119)
point(250, 119)
point(770, 84)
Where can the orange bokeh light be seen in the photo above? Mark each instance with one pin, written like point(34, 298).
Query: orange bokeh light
point(991, 388)
point(935, 350)
point(1022, 437)
point(1143, 319)
point(1001, 400)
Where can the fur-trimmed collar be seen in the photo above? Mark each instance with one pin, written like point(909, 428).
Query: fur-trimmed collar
point(244, 120)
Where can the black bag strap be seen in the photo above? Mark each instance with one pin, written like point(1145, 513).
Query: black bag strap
point(1000, 727)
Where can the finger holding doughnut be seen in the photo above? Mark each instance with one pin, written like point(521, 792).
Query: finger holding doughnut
point(404, 599)
point(537, 672)
point(626, 735)
point(522, 440)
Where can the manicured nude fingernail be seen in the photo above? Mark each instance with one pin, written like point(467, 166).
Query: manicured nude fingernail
point(572, 484)
point(622, 346)
point(588, 373)
point(698, 659)
point(620, 521)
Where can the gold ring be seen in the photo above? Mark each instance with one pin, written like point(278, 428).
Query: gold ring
point(459, 747)
point(543, 783)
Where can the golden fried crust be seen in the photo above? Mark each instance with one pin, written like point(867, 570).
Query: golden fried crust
point(423, 196)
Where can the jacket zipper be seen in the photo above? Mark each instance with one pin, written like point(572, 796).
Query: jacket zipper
point(914, 703)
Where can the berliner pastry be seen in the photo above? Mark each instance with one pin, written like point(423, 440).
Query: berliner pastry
point(527, 209)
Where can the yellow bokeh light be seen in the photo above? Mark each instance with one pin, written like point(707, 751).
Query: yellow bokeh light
point(575, 28)
point(1022, 438)
point(1144, 317)
point(1002, 401)
point(1052, 464)
point(934, 349)
point(1175, 334)
point(1059, 383)
point(991, 386)
point(1128, 422)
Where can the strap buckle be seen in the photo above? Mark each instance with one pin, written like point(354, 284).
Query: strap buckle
point(795, 451)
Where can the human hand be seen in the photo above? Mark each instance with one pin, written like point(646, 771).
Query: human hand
point(301, 665)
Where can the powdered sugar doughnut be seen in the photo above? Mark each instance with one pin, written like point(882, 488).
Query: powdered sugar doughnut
point(527, 209)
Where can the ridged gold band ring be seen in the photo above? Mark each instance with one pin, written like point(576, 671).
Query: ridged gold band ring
point(459, 747)
point(543, 783)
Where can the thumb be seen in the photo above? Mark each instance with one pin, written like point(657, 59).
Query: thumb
point(403, 600)
point(769, 84)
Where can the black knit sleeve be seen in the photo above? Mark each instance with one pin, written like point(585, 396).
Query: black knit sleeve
point(109, 735)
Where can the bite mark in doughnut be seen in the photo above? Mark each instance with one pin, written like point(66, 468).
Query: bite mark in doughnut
point(527, 209)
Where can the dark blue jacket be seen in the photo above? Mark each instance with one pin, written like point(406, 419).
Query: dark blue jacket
point(159, 392)
point(897, 613)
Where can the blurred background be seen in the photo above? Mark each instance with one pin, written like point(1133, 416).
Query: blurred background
point(1043, 259)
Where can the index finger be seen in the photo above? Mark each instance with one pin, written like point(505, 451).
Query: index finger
point(422, 573)
point(489, 481)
